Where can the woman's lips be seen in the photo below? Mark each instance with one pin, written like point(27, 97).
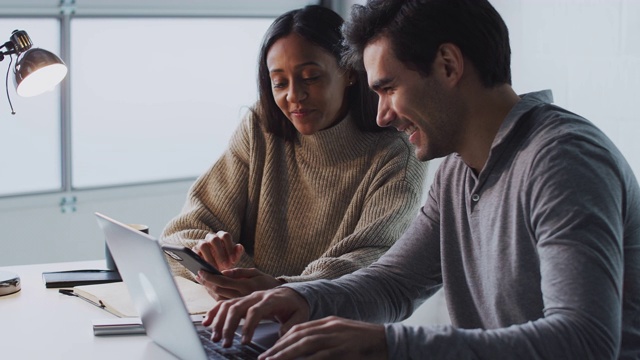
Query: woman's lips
point(301, 112)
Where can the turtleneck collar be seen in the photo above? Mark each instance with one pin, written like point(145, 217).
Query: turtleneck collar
point(339, 143)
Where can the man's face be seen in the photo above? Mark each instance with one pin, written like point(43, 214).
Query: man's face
point(421, 106)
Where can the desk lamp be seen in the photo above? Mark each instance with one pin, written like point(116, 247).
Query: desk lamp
point(36, 71)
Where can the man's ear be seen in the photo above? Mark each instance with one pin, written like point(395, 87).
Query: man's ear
point(451, 62)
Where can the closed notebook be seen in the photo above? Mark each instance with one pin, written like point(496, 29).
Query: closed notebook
point(115, 298)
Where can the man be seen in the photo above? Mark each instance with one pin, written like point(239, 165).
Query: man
point(532, 224)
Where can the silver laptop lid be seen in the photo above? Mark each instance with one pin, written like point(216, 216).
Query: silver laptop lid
point(144, 270)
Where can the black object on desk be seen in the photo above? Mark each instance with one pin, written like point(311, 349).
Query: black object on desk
point(71, 278)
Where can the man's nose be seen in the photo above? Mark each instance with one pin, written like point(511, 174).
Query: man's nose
point(385, 114)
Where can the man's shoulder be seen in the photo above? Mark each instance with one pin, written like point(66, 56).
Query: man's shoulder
point(553, 124)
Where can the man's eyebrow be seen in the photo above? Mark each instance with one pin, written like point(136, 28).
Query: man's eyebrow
point(378, 84)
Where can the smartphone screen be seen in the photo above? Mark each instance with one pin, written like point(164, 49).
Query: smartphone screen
point(189, 259)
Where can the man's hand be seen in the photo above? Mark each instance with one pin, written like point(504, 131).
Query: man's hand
point(282, 305)
point(219, 250)
point(236, 283)
point(331, 338)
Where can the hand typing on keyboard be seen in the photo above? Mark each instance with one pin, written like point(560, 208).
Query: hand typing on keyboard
point(333, 336)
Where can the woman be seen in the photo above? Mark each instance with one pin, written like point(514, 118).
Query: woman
point(310, 187)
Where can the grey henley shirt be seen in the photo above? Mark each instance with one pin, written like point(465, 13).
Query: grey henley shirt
point(539, 254)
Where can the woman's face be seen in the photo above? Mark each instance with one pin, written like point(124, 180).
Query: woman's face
point(307, 84)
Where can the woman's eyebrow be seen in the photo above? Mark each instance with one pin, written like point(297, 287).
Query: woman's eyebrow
point(308, 63)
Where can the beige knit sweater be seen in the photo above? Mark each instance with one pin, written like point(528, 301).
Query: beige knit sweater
point(321, 207)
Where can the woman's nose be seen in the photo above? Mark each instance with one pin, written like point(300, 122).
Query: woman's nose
point(296, 93)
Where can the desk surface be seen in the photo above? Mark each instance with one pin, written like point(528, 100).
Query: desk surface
point(40, 323)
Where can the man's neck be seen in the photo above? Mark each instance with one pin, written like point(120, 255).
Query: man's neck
point(488, 109)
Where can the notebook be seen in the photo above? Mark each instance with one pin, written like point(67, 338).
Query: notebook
point(154, 294)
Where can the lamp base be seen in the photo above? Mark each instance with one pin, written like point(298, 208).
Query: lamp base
point(9, 283)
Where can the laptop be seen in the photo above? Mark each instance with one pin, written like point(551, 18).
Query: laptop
point(145, 271)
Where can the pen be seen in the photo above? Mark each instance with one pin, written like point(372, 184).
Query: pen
point(70, 292)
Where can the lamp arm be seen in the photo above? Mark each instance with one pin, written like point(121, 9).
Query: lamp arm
point(6, 82)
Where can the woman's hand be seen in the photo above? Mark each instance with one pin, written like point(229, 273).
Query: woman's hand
point(219, 250)
point(236, 283)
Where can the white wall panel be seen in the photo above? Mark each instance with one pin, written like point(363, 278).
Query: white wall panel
point(156, 98)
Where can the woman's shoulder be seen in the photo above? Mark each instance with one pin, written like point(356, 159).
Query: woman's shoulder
point(393, 160)
point(394, 141)
point(253, 134)
point(393, 149)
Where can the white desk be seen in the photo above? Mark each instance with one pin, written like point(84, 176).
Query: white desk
point(40, 323)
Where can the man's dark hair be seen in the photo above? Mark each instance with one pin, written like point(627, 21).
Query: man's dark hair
point(416, 29)
point(320, 26)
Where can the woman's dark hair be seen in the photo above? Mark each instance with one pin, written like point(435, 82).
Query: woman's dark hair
point(320, 26)
point(417, 28)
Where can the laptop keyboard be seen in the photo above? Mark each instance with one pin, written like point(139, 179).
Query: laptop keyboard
point(235, 351)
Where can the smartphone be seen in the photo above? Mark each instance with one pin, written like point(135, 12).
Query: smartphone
point(189, 259)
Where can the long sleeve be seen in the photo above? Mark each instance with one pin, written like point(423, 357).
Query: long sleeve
point(216, 201)
point(388, 290)
point(561, 295)
point(539, 254)
point(581, 281)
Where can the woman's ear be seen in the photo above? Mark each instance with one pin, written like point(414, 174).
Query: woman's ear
point(352, 77)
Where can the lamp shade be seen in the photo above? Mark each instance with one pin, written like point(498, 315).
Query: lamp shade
point(37, 71)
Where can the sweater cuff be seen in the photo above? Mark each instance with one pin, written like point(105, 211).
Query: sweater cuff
point(412, 342)
point(297, 278)
point(307, 292)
